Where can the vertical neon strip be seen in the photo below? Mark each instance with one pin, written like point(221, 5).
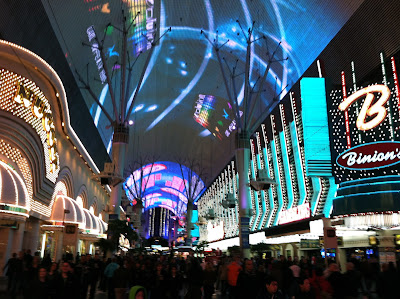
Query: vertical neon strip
point(396, 81)
point(261, 199)
point(285, 158)
point(253, 175)
point(346, 113)
point(260, 165)
point(389, 102)
point(235, 178)
point(277, 170)
point(317, 188)
point(271, 190)
point(299, 162)
point(353, 77)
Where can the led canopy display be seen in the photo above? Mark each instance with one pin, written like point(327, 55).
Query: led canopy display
point(164, 184)
point(184, 64)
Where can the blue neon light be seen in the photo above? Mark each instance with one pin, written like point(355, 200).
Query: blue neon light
point(330, 197)
point(262, 198)
point(315, 127)
point(369, 184)
point(298, 164)
point(316, 181)
point(278, 182)
point(151, 108)
point(286, 167)
point(270, 194)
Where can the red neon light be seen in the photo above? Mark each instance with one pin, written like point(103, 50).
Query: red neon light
point(346, 113)
point(396, 81)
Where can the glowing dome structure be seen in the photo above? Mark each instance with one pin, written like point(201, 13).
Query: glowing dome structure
point(14, 198)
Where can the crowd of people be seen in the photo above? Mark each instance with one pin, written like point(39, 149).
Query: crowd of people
point(165, 276)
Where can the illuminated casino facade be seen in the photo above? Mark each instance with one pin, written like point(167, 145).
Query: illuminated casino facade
point(348, 100)
point(48, 200)
point(304, 187)
point(324, 138)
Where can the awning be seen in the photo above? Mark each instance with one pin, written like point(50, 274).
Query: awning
point(14, 198)
point(91, 224)
point(67, 210)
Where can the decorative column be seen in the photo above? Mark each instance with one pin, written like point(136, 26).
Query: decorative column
point(119, 149)
point(6, 238)
point(242, 154)
point(59, 245)
point(34, 234)
point(18, 238)
point(189, 224)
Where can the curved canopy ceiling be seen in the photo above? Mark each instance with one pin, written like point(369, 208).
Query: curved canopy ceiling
point(164, 184)
point(184, 74)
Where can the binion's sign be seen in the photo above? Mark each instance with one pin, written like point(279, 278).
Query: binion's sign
point(376, 110)
point(364, 123)
point(373, 112)
point(370, 155)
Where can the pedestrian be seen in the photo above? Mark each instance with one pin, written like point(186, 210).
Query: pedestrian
point(270, 290)
point(68, 285)
point(109, 273)
point(233, 270)
point(336, 279)
point(246, 285)
point(303, 291)
point(138, 292)
point(53, 277)
point(210, 278)
point(174, 283)
point(40, 286)
point(352, 280)
point(121, 280)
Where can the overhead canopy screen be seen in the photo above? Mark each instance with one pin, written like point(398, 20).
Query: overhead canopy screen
point(184, 67)
point(164, 184)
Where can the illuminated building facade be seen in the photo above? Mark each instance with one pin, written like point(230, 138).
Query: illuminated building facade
point(48, 200)
point(292, 147)
point(353, 177)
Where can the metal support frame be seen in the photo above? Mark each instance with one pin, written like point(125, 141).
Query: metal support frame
point(245, 128)
point(120, 112)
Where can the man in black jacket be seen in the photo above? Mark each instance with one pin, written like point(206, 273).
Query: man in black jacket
point(270, 290)
point(246, 286)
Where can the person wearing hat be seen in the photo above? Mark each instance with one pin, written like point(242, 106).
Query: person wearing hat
point(138, 292)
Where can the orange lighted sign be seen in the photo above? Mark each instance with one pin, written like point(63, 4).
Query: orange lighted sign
point(376, 110)
point(27, 98)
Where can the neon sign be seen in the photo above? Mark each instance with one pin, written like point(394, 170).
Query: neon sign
point(295, 214)
point(215, 232)
point(370, 156)
point(27, 98)
point(364, 142)
point(368, 109)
